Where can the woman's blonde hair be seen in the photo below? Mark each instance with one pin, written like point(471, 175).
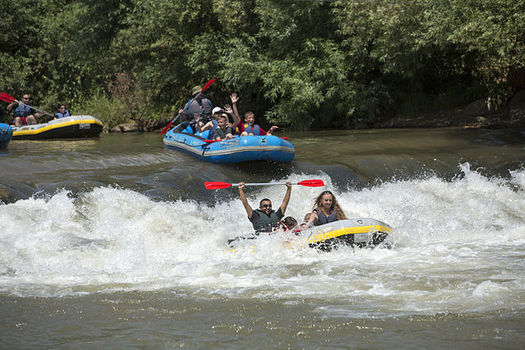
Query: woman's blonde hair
point(335, 206)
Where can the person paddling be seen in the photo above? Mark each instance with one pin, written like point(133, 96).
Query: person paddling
point(199, 109)
point(23, 113)
point(264, 219)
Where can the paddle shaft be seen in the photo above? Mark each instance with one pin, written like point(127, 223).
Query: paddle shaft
point(264, 184)
point(11, 99)
point(169, 124)
point(218, 185)
point(36, 109)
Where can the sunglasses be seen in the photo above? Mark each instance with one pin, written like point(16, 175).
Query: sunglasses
point(266, 206)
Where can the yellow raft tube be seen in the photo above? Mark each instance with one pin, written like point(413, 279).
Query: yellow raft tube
point(69, 127)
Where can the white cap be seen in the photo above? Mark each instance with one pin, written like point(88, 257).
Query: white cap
point(216, 110)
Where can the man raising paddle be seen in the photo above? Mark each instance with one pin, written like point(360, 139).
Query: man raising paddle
point(265, 219)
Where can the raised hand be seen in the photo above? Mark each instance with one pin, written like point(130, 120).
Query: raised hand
point(234, 98)
point(272, 129)
point(228, 109)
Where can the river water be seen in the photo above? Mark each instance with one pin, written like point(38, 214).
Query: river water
point(115, 243)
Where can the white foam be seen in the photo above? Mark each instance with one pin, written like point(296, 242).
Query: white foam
point(458, 245)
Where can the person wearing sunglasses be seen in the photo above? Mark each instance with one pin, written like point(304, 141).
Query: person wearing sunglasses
point(264, 219)
point(22, 114)
point(326, 209)
point(62, 112)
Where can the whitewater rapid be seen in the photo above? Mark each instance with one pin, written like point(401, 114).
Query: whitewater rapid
point(459, 246)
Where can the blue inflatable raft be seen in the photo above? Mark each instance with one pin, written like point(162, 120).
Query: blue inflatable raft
point(5, 134)
point(238, 149)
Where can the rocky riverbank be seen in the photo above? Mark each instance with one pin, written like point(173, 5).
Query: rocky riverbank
point(475, 115)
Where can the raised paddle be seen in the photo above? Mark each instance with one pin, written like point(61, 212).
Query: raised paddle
point(307, 183)
point(207, 85)
point(8, 98)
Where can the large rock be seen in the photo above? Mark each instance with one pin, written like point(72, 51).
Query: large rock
point(125, 127)
point(477, 108)
point(517, 106)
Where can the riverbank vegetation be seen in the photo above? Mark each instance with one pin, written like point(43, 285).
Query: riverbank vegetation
point(298, 64)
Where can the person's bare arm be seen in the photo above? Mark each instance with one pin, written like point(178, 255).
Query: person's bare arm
point(244, 201)
point(12, 104)
point(272, 129)
point(286, 198)
point(236, 117)
point(313, 218)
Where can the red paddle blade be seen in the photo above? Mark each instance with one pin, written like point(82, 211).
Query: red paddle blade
point(311, 183)
point(207, 85)
point(6, 97)
point(216, 185)
point(166, 128)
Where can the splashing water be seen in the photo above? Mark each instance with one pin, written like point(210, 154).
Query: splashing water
point(458, 246)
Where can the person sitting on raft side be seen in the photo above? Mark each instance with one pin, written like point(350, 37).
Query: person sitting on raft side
point(250, 128)
point(211, 125)
point(326, 209)
point(217, 112)
point(223, 131)
point(197, 124)
point(304, 225)
point(22, 114)
point(265, 219)
point(62, 112)
point(200, 105)
point(289, 225)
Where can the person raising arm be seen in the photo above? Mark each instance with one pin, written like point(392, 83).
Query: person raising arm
point(264, 219)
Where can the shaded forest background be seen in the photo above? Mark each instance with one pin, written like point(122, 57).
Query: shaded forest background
point(297, 64)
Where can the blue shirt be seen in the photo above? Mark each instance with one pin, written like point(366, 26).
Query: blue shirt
point(22, 111)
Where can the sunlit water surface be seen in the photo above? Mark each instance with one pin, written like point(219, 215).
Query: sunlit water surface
point(114, 242)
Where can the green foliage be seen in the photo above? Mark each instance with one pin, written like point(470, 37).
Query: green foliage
point(129, 93)
point(110, 111)
point(298, 64)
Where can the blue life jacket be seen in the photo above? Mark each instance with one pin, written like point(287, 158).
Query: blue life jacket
point(211, 134)
point(256, 129)
point(60, 115)
point(22, 111)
